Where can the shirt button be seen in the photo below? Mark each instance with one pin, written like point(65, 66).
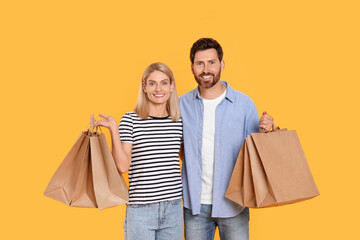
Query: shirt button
point(199, 193)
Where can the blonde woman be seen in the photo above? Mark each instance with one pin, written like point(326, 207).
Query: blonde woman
point(148, 147)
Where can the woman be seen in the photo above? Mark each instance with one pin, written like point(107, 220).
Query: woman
point(148, 146)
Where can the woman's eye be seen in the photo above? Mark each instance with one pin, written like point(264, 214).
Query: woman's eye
point(164, 83)
point(151, 84)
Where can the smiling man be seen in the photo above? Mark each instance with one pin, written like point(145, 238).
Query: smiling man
point(216, 120)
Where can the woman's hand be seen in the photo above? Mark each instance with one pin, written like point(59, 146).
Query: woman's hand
point(121, 151)
point(107, 121)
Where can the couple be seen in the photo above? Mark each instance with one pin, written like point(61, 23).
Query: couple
point(214, 121)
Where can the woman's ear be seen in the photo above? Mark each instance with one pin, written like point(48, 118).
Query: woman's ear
point(172, 86)
point(143, 86)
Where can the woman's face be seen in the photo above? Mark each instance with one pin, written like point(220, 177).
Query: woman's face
point(158, 87)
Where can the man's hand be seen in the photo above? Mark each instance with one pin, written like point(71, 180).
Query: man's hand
point(266, 122)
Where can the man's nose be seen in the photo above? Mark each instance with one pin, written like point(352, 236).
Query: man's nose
point(206, 68)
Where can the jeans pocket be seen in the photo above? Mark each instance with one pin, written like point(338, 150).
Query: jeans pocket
point(175, 202)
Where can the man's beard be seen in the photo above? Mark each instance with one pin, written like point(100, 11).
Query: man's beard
point(215, 79)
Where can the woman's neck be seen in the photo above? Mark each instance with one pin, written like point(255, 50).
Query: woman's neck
point(158, 110)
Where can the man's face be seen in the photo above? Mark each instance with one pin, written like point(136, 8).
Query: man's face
point(207, 67)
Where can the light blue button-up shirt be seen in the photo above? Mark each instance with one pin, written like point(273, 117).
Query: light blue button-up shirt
point(236, 117)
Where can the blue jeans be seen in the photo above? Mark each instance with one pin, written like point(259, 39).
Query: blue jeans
point(160, 221)
point(203, 226)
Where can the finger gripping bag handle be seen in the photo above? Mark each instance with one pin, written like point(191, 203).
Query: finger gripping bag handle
point(91, 130)
point(274, 129)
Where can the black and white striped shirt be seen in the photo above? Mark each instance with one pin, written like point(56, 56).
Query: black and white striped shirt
point(154, 173)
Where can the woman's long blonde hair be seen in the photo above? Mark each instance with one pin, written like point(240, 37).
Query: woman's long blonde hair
point(142, 104)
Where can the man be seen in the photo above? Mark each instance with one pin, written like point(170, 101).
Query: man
point(216, 120)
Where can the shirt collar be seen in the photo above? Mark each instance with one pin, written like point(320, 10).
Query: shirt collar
point(229, 92)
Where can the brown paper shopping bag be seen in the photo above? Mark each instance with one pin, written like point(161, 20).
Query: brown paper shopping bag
point(88, 177)
point(271, 170)
point(109, 186)
point(84, 195)
point(68, 184)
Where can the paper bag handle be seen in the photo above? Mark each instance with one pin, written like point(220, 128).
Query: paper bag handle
point(91, 125)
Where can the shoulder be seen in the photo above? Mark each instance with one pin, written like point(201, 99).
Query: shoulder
point(179, 122)
point(129, 117)
point(188, 96)
point(243, 97)
point(186, 102)
point(240, 98)
point(131, 114)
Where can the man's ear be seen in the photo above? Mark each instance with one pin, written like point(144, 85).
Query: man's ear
point(192, 68)
point(222, 64)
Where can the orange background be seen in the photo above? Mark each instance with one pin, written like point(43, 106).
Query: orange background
point(60, 61)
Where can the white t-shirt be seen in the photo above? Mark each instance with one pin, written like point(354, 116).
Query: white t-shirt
point(207, 151)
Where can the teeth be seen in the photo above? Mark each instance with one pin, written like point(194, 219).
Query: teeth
point(207, 76)
point(159, 95)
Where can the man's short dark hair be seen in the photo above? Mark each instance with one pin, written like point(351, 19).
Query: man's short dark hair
point(204, 44)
